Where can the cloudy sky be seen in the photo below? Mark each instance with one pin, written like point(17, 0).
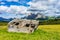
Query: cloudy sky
point(16, 8)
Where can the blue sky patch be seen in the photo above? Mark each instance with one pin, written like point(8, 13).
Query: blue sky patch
point(18, 3)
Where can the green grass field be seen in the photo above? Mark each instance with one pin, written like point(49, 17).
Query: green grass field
point(44, 32)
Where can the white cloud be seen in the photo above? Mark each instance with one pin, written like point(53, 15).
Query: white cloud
point(13, 9)
point(52, 5)
point(3, 8)
point(38, 5)
point(10, 12)
point(49, 5)
point(17, 9)
point(52, 1)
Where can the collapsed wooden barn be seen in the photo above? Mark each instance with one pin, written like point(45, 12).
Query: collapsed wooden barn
point(22, 25)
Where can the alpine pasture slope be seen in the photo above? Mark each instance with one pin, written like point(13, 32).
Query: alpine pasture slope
point(43, 32)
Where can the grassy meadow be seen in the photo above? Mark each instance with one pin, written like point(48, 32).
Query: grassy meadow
point(43, 32)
